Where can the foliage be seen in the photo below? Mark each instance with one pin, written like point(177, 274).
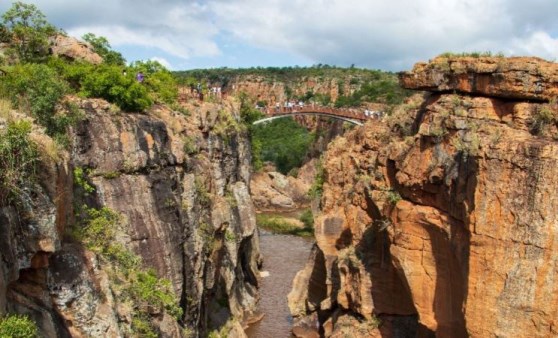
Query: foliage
point(160, 82)
point(18, 159)
point(257, 162)
point(37, 89)
point(277, 224)
point(109, 82)
point(471, 54)
point(17, 326)
point(155, 291)
point(283, 142)
point(393, 196)
point(384, 89)
point(81, 181)
point(98, 228)
point(227, 125)
point(545, 115)
point(102, 47)
point(28, 31)
point(203, 195)
point(307, 218)
point(190, 147)
point(248, 114)
point(225, 75)
point(317, 187)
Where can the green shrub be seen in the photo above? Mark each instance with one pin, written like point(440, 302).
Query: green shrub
point(283, 142)
point(160, 82)
point(98, 228)
point(317, 187)
point(277, 224)
point(18, 160)
point(546, 114)
point(81, 181)
point(155, 291)
point(109, 82)
point(102, 47)
point(36, 89)
point(393, 196)
point(17, 326)
point(26, 29)
point(307, 218)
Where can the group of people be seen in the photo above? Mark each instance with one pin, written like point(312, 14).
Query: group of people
point(373, 114)
point(198, 91)
point(289, 105)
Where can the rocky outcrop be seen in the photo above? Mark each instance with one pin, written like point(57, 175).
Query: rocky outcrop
point(273, 191)
point(440, 220)
point(179, 185)
point(73, 49)
point(513, 78)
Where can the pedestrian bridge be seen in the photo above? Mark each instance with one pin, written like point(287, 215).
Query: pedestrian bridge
point(348, 115)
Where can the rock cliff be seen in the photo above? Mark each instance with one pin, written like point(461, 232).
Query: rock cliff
point(175, 188)
point(440, 220)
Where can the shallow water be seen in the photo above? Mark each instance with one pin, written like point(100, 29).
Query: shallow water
point(284, 256)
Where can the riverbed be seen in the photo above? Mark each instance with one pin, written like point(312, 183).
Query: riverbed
point(284, 256)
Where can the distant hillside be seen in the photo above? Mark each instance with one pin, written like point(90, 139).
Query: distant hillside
point(322, 84)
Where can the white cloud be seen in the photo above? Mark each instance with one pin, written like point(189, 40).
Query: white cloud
point(375, 33)
point(162, 61)
point(391, 33)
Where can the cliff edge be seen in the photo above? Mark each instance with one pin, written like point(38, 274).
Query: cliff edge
point(440, 220)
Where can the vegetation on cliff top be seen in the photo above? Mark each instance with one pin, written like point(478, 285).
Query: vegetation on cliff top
point(36, 81)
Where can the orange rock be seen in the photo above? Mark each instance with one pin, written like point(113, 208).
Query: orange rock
point(447, 212)
point(516, 78)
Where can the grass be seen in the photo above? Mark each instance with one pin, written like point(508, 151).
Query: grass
point(280, 225)
point(472, 54)
point(17, 326)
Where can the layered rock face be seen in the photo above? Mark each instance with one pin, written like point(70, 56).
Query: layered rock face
point(262, 89)
point(440, 220)
point(180, 186)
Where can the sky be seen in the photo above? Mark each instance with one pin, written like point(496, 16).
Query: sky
point(378, 34)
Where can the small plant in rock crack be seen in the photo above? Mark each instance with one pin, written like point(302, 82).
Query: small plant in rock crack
point(393, 196)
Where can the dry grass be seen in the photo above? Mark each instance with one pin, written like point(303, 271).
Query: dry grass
point(49, 150)
point(5, 109)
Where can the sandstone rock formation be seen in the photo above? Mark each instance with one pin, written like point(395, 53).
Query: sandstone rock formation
point(441, 221)
point(73, 49)
point(180, 186)
point(513, 78)
point(273, 191)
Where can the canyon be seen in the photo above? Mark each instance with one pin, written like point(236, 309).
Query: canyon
point(437, 220)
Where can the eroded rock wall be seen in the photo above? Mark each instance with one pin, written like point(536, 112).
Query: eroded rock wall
point(180, 184)
point(440, 220)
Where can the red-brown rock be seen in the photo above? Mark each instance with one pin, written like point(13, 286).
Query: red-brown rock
point(513, 78)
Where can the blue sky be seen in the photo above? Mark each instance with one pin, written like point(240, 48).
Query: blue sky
point(379, 34)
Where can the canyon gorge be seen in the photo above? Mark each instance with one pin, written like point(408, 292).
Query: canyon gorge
point(135, 214)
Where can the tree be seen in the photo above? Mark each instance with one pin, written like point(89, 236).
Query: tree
point(102, 47)
point(28, 31)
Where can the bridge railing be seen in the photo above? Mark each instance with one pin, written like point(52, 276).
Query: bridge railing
point(344, 112)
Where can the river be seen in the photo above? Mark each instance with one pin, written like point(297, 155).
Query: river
point(284, 256)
